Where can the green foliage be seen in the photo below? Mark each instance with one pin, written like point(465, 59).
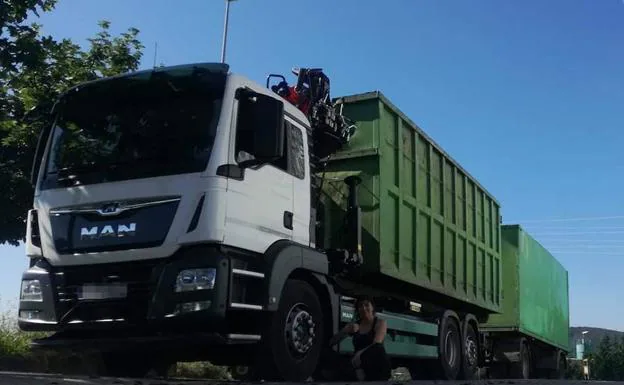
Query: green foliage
point(14, 343)
point(201, 369)
point(574, 371)
point(606, 363)
point(34, 70)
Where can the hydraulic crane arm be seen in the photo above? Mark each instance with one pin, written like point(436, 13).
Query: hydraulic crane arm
point(330, 129)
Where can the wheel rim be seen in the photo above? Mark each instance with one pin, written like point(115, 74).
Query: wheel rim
point(299, 330)
point(471, 351)
point(450, 348)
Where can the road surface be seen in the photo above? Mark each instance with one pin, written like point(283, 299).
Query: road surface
point(12, 378)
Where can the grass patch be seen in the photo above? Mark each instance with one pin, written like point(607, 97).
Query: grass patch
point(201, 369)
point(13, 341)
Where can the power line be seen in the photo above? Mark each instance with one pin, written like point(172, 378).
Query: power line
point(579, 233)
point(585, 252)
point(540, 228)
point(567, 219)
point(576, 247)
point(561, 240)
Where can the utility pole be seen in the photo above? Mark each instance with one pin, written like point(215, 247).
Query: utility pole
point(225, 29)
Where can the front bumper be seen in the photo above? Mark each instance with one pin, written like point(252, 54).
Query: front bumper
point(149, 313)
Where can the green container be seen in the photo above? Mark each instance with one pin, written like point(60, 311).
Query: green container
point(426, 221)
point(535, 291)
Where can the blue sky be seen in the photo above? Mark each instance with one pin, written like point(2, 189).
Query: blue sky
point(526, 95)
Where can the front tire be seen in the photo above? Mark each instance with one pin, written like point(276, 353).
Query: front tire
point(294, 337)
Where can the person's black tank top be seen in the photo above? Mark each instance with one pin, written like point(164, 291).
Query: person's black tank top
point(361, 340)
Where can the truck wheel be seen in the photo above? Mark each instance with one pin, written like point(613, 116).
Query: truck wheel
point(563, 367)
point(294, 338)
point(560, 372)
point(523, 368)
point(470, 362)
point(450, 350)
point(525, 361)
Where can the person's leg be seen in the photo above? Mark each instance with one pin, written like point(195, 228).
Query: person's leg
point(358, 370)
point(376, 364)
point(349, 373)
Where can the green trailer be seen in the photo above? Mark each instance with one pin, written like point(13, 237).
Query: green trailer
point(531, 333)
point(430, 236)
point(428, 227)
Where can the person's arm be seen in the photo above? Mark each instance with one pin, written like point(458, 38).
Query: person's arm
point(342, 334)
point(380, 331)
point(380, 334)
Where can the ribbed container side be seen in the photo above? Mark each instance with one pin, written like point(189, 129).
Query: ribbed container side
point(426, 221)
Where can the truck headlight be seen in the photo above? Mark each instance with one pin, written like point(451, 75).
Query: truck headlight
point(31, 290)
point(196, 279)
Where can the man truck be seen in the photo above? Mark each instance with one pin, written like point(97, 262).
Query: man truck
point(189, 213)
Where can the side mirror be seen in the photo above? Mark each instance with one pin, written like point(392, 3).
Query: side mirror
point(260, 125)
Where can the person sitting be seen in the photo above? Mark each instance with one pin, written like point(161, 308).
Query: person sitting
point(370, 361)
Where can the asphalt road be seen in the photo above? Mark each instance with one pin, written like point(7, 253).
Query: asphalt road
point(11, 378)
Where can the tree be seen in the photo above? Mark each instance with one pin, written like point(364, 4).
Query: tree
point(605, 360)
point(618, 357)
point(34, 70)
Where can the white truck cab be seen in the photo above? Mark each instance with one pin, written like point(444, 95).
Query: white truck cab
point(120, 194)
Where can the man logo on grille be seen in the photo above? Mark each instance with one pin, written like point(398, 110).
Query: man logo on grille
point(110, 209)
point(108, 231)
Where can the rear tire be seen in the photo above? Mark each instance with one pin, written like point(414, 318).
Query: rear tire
point(294, 338)
point(470, 348)
point(562, 368)
point(450, 348)
point(523, 368)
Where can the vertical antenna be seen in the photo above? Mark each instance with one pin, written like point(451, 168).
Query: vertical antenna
point(225, 29)
point(155, 53)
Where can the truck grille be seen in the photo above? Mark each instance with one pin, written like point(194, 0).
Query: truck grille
point(140, 277)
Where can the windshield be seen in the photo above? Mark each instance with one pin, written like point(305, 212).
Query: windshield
point(135, 127)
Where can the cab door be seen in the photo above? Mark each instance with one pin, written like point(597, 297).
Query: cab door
point(259, 203)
